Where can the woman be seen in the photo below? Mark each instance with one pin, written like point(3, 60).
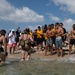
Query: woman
point(26, 36)
point(3, 46)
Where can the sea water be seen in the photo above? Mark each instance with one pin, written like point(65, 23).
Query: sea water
point(38, 67)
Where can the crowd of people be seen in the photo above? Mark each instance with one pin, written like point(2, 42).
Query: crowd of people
point(49, 38)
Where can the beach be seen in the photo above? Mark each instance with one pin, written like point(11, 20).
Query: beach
point(41, 54)
point(39, 64)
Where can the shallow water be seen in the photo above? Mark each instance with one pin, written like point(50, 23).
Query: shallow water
point(38, 67)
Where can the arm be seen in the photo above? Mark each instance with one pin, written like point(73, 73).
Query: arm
point(70, 33)
point(52, 34)
point(31, 38)
point(10, 35)
point(46, 33)
point(64, 34)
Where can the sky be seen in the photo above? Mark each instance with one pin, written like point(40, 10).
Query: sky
point(34, 13)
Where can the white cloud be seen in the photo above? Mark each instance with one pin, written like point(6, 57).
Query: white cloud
point(68, 5)
point(54, 18)
point(34, 27)
point(68, 23)
point(11, 13)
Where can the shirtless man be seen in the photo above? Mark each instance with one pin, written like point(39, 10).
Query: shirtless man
point(49, 34)
point(64, 36)
point(72, 38)
point(59, 33)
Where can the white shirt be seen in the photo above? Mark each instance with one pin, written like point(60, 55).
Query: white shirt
point(11, 39)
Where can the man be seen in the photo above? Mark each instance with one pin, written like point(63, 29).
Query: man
point(35, 37)
point(72, 38)
point(39, 37)
point(59, 33)
point(53, 38)
point(49, 34)
point(18, 32)
point(64, 36)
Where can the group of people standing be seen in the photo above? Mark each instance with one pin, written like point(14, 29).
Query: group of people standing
point(53, 36)
point(49, 38)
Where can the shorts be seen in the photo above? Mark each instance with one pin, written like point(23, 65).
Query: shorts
point(39, 40)
point(58, 42)
point(53, 40)
point(1, 49)
point(49, 42)
point(72, 41)
point(12, 45)
point(64, 38)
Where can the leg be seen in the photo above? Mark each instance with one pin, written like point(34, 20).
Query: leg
point(22, 55)
point(60, 47)
point(61, 50)
point(70, 48)
point(37, 47)
point(46, 48)
point(28, 56)
point(13, 48)
point(41, 46)
point(3, 58)
point(58, 52)
point(10, 49)
point(51, 50)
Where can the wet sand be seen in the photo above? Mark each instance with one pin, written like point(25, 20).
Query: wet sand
point(41, 55)
point(39, 64)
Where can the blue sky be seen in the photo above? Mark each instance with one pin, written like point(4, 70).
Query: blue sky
point(32, 13)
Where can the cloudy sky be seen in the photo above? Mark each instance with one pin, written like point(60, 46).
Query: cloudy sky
point(31, 13)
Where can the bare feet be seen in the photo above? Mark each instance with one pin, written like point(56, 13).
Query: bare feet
point(22, 59)
point(2, 62)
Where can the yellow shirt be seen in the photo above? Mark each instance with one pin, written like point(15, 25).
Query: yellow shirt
point(45, 36)
point(31, 33)
point(39, 33)
point(54, 30)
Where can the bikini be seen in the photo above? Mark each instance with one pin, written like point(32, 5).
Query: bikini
point(1, 48)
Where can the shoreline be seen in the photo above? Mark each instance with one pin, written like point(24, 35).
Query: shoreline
point(39, 55)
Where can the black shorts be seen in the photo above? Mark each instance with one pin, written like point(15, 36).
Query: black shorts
point(53, 40)
point(39, 40)
point(72, 41)
point(1, 49)
point(64, 38)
